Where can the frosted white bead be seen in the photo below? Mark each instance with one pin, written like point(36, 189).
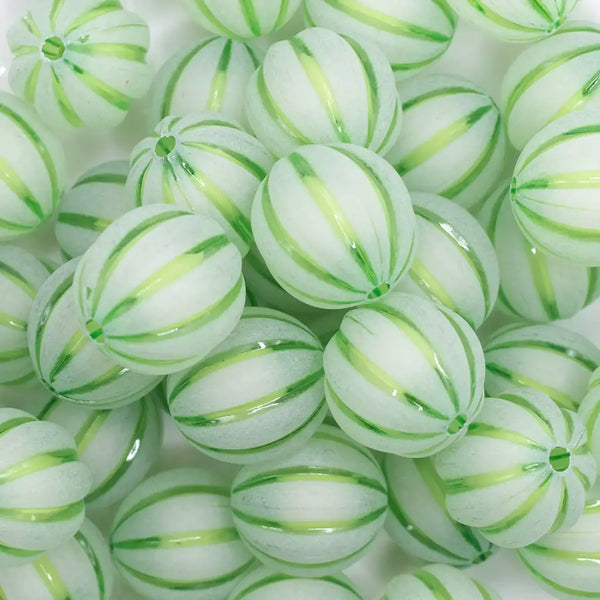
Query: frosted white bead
point(589, 412)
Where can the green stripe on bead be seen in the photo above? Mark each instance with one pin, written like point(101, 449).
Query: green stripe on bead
point(121, 51)
point(11, 424)
point(433, 584)
point(94, 561)
point(217, 90)
point(88, 222)
point(98, 11)
point(38, 462)
point(438, 93)
point(15, 277)
point(54, 514)
point(17, 186)
point(184, 539)
point(64, 104)
point(51, 579)
point(115, 178)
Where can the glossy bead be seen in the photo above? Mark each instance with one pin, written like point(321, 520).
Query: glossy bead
point(335, 225)
point(44, 486)
point(79, 569)
point(203, 163)
point(315, 512)
point(173, 538)
point(270, 400)
point(404, 376)
point(32, 172)
point(521, 471)
point(589, 412)
point(96, 200)
point(314, 89)
point(455, 263)
point(159, 289)
point(418, 520)
point(66, 360)
point(556, 361)
point(80, 63)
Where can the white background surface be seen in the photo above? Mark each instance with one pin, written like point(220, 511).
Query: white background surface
point(473, 55)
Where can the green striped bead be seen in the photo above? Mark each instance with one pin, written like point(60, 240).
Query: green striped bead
point(173, 538)
point(418, 520)
point(452, 141)
point(589, 412)
point(335, 225)
point(245, 19)
point(212, 75)
point(555, 187)
point(31, 169)
point(567, 564)
point(413, 34)
point(79, 569)
point(81, 64)
point(556, 361)
point(204, 163)
point(403, 376)
point(521, 471)
point(159, 289)
point(42, 487)
point(96, 200)
point(520, 21)
point(269, 373)
point(314, 513)
point(437, 582)
point(321, 88)
point(455, 263)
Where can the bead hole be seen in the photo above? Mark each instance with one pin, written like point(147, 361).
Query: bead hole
point(53, 48)
point(95, 331)
point(560, 459)
point(457, 424)
point(165, 146)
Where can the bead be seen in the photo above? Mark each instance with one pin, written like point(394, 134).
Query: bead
point(403, 376)
point(521, 471)
point(81, 64)
point(269, 373)
point(44, 486)
point(554, 195)
point(455, 263)
point(67, 362)
point(434, 582)
point(248, 19)
point(79, 569)
point(173, 537)
point(212, 75)
point(418, 520)
point(412, 34)
point(159, 289)
point(556, 361)
point(320, 88)
point(119, 446)
point(534, 286)
point(21, 274)
point(452, 141)
point(96, 200)
point(314, 513)
point(204, 163)
point(265, 584)
point(589, 412)
point(32, 173)
point(335, 225)
point(566, 563)
point(520, 21)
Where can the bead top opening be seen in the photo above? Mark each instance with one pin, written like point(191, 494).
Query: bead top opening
point(457, 424)
point(53, 48)
point(165, 146)
point(560, 459)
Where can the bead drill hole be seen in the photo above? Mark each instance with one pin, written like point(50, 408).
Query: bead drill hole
point(53, 48)
point(95, 331)
point(379, 291)
point(560, 459)
point(165, 146)
point(457, 424)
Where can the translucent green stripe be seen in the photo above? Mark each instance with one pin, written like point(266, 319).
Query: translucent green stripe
point(216, 122)
point(98, 11)
point(216, 96)
point(563, 507)
point(14, 354)
point(90, 428)
point(31, 26)
point(543, 284)
point(506, 435)
point(13, 182)
point(48, 408)
point(10, 424)
point(139, 188)
point(32, 81)
point(10, 226)
point(57, 6)
point(469, 483)
point(12, 322)
point(94, 561)
point(113, 50)
point(578, 100)
point(84, 221)
point(8, 272)
point(106, 378)
point(403, 67)
point(283, 10)
point(115, 178)
point(430, 286)
point(51, 578)
point(19, 553)
point(532, 409)
point(64, 104)
point(249, 14)
point(585, 180)
point(392, 128)
point(23, 379)
point(210, 17)
point(433, 584)
point(450, 90)
point(187, 539)
point(55, 514)
point(38, 462)
point(563, 555)
point(485, 595)
point(18, 51)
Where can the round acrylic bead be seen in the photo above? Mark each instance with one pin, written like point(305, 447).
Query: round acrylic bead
point(418, 520)
point(320, 88)
point(79, 569)
point(204, 163)
point(452, 141)
point(270, 400)
point(173, 538)
point(521, 471)
point(554, 189)
point(80, 62)
point(21, 275)
point(404, 376)
point(314, 513)
point(32, 175)
point(66, 360)
point(455, 263)
point(209, 75)
point(43, 487)
point(412, 34)
point(548, 358)
point(159, 289)
point(519, 21)
point(566, 563)
point(248, 19)
point(589, 412)
point(335, 225)
point(96, 200)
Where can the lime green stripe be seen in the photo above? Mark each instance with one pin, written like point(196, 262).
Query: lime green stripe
point(506, 435)
point(10, 226)
point(38, 462)
point(95, 562)
point(51, 578)
point(543, 284)
point(106, 378)
point(186, 539)
point(216, 96)
point(48, 408)
point(54, 514)
point(116, 178)
point(78, 341)
point(485, 595)
point(469, 483)
point(64, 104)
point(113, 50)
point(141, 183)
point(249, 13)
point(13, 182)
point(398, 67)
point(430, 286)
point(89, 429)
point(8, 272)
point(98, 11)
point(393, 127)
point(562, 554)
point(14, 354)
point(89, 222)
point(210, 17)
point(57, 6)
point(437, 93)
point(12, 322)
point(584, 180)
point(563, 510)
point(281, 17)
point(31, 83)
point(19, 553)
point(433, 584)
point(578, 100)
point(10, 424)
